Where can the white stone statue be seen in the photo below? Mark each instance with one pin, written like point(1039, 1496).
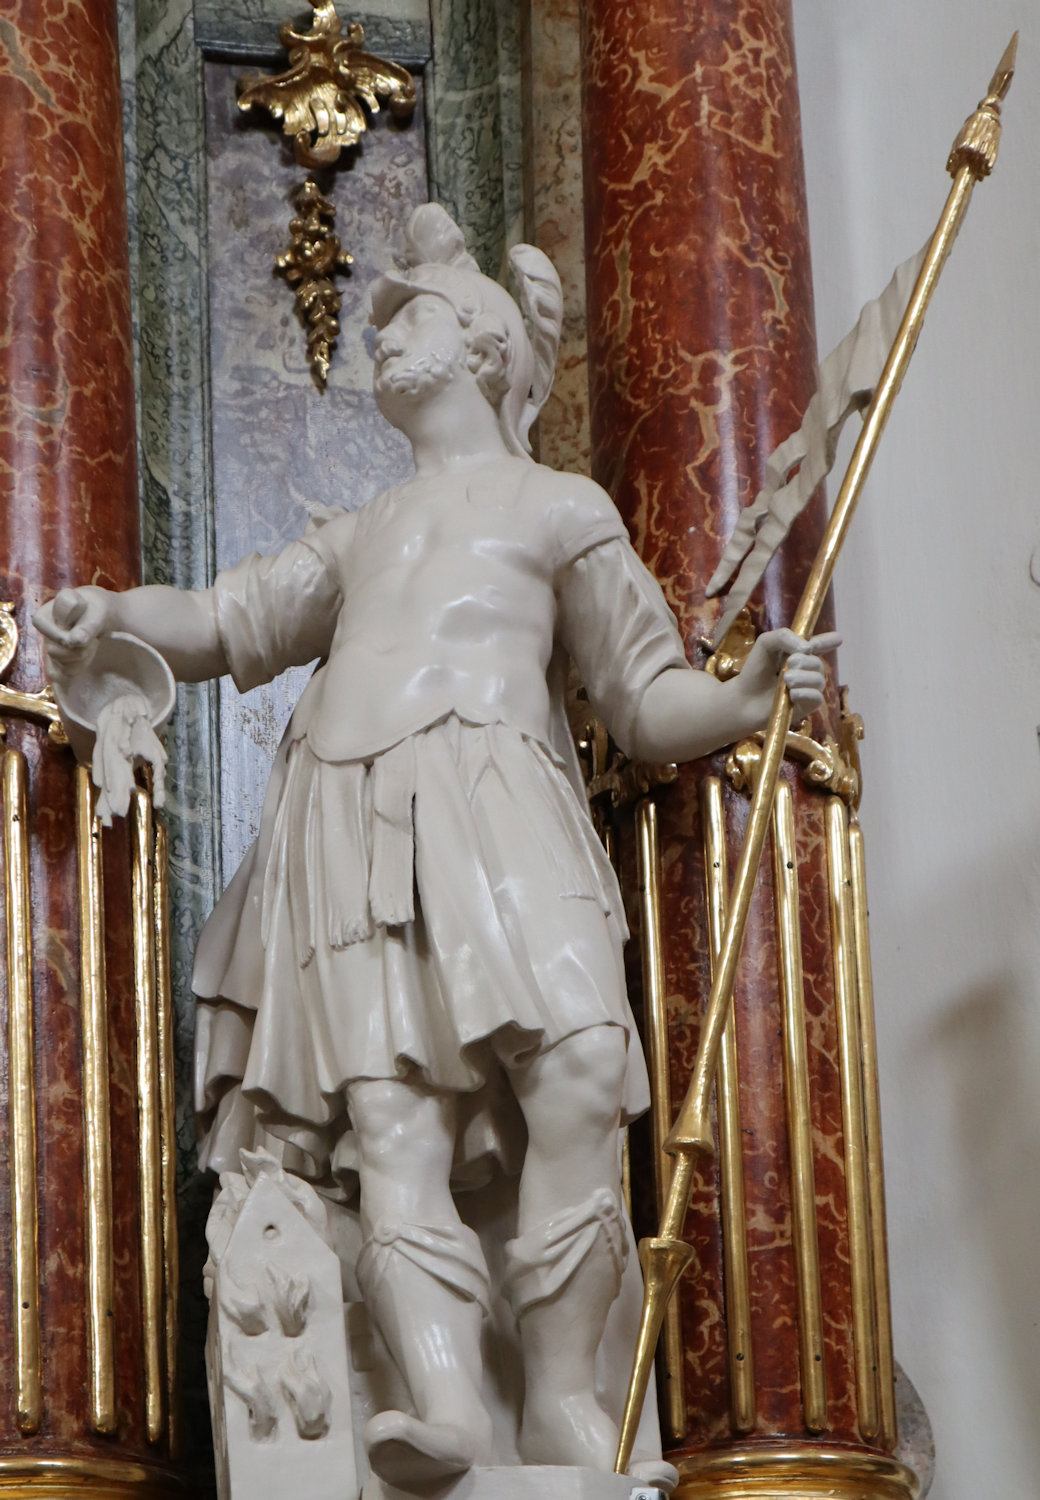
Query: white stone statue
point(415, 978)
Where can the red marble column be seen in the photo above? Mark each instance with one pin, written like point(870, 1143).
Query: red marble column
point(701, 358)
point(68, 514)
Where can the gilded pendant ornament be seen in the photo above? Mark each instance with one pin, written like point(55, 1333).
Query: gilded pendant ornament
point(311, 261)
point(318, 101)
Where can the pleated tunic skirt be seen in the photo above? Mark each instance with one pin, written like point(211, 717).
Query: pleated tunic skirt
point(438, 914)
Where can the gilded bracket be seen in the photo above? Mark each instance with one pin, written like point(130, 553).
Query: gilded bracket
point(733, 650)
point(830, 765)
point(611, 777)
point(39, 705)
point(319, 100)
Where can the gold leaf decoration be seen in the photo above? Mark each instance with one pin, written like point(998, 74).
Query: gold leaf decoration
point(313, 258)
point(319, 98)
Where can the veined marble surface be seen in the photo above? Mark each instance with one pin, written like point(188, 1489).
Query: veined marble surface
point(398, 29)
point(552, 158)
point(281, 447)
point(464, 124)
point(163, 121)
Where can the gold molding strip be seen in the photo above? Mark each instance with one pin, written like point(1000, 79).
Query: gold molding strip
point(148, 1109)
point(733, 1213)
point(799, 1114)
point(875, 1162)
point(801, 1471)
point(97, 1135)
point(168, 1126)
point(22, 1093)
point(853, 1116)
point(92, 1478)
point(648, 864)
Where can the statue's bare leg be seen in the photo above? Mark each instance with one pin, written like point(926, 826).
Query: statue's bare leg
point(567, 1259)
point(423, 1279)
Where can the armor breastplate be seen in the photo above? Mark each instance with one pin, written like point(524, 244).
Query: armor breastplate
point(448, 608)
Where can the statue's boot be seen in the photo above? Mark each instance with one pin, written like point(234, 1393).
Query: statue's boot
point(654, 1474)
point(426, 1288)
point(562, 1277)
point(406, 1452)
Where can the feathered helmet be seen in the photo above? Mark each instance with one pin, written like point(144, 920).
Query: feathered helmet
point(438, 262)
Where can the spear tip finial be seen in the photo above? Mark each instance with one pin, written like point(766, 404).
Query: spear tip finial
point(976, 146)
point(1001, 80)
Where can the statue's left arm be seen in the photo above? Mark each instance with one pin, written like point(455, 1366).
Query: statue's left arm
point(615, 623)
point(684, 714)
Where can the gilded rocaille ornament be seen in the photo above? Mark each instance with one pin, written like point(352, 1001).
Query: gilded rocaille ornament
point(312, 259)
point(319, 98)
point(318, 101)
point(39, 705)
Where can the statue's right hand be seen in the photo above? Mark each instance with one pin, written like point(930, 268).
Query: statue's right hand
point(71, 624)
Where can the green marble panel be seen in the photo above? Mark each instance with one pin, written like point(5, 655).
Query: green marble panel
point(474, 123)
point(397, 29)
point(165, 178)
point(463, 125)
point(511, 120)
point(281, 447)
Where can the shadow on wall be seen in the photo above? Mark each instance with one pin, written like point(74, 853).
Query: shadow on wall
point(969, 1060)
point(983, 1046)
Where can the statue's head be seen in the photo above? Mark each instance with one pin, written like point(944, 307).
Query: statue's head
point(511, 349)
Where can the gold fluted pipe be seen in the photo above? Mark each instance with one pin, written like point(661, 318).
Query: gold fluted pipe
point(732, 1207)
point(168, 1124)
point(148, 1113)
point(875, 1165)
point(22, 1093)
point(648, 861)
point(853, 1116)
point(97, 1135)
point(799, 1114)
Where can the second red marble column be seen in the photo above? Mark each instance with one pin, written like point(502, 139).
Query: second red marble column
point(702, 358)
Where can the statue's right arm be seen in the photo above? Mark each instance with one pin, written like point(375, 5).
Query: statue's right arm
point(180, 624)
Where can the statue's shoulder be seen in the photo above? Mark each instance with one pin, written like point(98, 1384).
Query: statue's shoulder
point(578, 513)
point(331, 531)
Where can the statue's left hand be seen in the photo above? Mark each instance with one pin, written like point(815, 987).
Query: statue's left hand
point(799, 660)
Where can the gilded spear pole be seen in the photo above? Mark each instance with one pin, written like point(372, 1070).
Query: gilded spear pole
point(666, 1255)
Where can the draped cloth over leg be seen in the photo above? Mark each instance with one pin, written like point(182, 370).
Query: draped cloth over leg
point(431, 915)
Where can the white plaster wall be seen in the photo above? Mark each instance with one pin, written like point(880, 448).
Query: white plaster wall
point(942, 624)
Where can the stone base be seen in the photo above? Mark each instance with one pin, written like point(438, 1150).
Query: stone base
point(513, 1482)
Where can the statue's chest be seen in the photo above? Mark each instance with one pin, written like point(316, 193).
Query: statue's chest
point(448, 543)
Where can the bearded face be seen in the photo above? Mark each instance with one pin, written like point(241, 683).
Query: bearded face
point(419, 352)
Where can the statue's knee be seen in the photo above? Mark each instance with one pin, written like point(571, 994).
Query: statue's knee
point(400, 1130)
point(594, 1068)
